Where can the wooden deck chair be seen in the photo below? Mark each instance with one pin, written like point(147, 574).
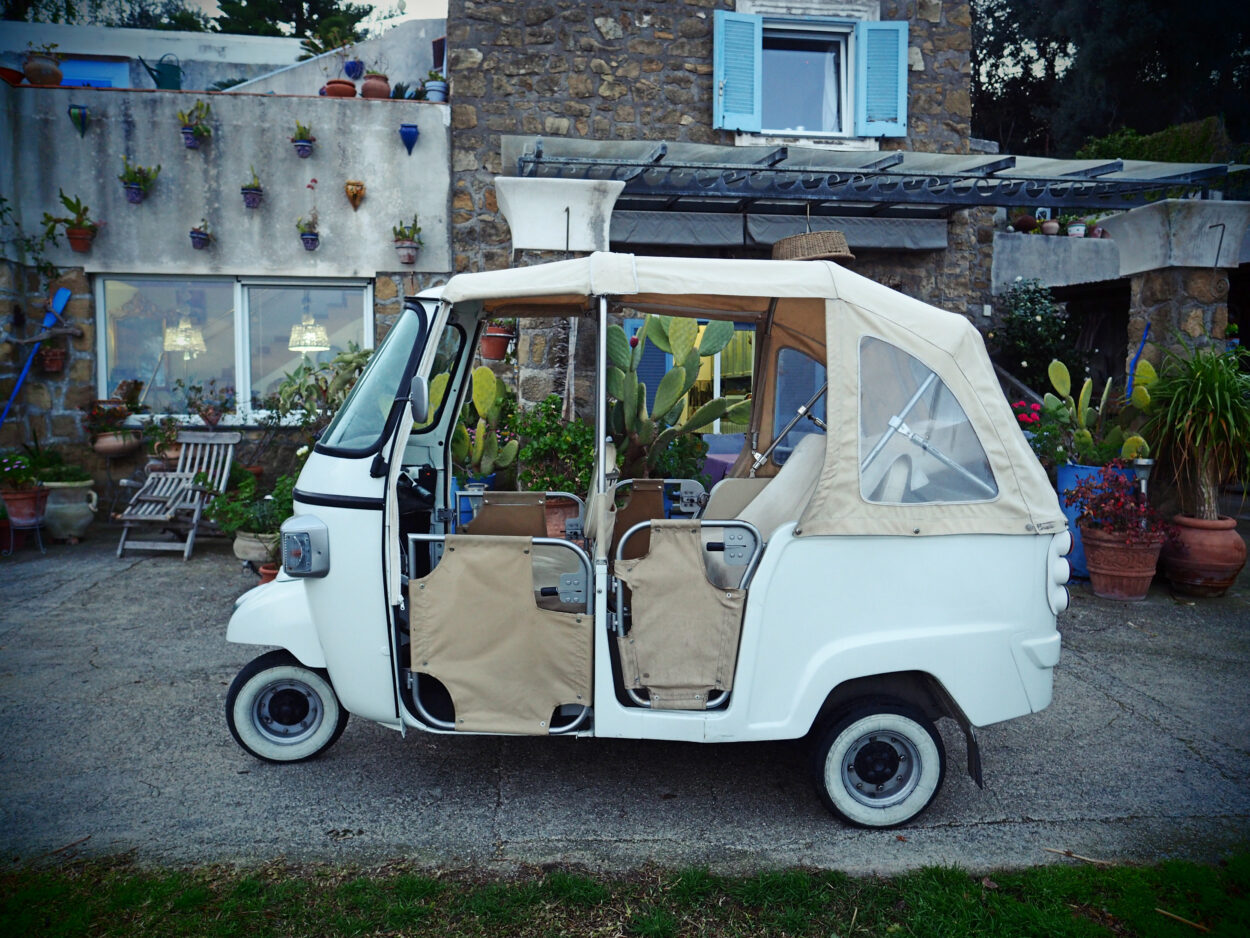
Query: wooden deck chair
point(174, 501)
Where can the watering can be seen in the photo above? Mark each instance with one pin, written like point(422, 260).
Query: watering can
point(167, 75)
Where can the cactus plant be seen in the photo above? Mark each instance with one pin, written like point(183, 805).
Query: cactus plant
point(643, 436)
point(1094, 441)
point(480, 452)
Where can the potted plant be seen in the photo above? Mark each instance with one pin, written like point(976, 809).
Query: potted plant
point(340, 88)
point(137, 180)
point(41, 65)
point(106, 423)
point(201, 235)
point(1121, 530)
point(407, 240)
point(1201, 419)
point(435, 86)
point(495, 340)
point(1050, 226)
point(194, 125)
point(252, 191)
point(303, 140)
point(208, 402)
point(80, 229)
point(376, 85)
point(556, 455)
point(254, 520)
point(307, 228)
point(161, 436)
point(23, 495)
point(71, 503)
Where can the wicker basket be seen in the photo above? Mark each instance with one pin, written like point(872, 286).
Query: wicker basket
point(813, 246)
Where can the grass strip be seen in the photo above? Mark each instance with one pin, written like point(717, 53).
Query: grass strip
point(102, 898)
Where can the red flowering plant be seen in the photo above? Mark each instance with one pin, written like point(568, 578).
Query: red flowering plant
point(1111, 502)
point(1046, 436)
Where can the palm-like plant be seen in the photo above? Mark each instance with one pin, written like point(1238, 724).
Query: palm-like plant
point(1201, 420)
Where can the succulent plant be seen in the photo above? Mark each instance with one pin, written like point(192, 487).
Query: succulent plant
point(1093, 439)
point(480, 452)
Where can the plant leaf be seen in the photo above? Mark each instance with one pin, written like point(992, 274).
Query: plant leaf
point(682, 334)
point(669, 391)
point(706, 415)
point(716, 335)
point(616, 382)
point(636, 356)
point(657, 332)
point(484, 390)
point(739, 412)
point(618, 347)
point(1057, 371)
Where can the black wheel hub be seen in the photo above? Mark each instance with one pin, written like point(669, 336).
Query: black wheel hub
point(288, 707)
point(876, 763)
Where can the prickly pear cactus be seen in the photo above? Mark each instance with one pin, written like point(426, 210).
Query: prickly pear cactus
point(643, 436)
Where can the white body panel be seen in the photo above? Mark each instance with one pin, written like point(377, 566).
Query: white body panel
point(278, 613)
point(970, 610)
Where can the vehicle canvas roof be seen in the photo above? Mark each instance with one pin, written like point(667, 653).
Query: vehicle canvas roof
point(825, 310)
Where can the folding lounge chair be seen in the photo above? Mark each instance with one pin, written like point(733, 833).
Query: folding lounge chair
point(174, 501)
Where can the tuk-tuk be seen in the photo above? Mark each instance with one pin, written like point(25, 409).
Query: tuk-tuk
point(884, 551)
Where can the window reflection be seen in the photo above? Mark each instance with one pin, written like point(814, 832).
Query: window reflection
point(286, 323)
point(163, 332)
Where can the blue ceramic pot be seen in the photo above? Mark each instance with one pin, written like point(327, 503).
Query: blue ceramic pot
point(1066, 478)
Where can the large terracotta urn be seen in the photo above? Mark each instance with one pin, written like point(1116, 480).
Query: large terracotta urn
point(1205, 557)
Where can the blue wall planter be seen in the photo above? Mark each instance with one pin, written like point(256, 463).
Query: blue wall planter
point(1066, 478)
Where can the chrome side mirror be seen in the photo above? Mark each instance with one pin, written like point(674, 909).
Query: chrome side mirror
point(419, 398)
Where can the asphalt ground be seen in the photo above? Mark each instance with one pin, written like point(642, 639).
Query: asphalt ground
point(113, 741)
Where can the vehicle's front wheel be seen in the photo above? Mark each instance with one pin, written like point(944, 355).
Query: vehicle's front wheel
point(280, 711)
point(879, 764)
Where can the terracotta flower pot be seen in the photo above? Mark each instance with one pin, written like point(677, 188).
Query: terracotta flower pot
point(1118, 570)
point(80, 239)
point(375, 86)
point(41, 70)
point(269, 572)
point(1050, 227)
point(52, 358)
point(340, 88)
point(119, 443)
point(1206, 556)
point(25, 506)
point(494, 344)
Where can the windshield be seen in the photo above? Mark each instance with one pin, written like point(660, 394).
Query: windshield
point(358, 426)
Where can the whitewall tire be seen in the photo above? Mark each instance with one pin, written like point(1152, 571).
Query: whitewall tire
point(280, 711)
point(879, 765)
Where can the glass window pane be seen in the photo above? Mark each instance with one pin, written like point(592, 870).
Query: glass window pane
point(801, 82)
point(285, 323)
point(798, 378)
point(161, 332)
point(915, 441)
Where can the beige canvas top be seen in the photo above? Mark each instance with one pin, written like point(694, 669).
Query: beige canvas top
point(857, 312)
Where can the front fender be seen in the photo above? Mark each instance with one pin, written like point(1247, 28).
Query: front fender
point(278, 613)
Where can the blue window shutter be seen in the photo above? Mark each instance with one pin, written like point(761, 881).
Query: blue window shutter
point(736, 82)
point(881, 79)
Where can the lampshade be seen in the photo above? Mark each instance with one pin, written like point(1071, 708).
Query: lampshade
point(185, 338)
point(309, 336)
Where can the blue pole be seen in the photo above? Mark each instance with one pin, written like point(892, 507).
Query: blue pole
point(50, 318)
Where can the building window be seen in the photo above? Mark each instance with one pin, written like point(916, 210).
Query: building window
point(809, 76)
point(171, 333)
point(811, 59)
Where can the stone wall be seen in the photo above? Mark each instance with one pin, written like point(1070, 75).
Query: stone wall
point(939, 104)
point(1182, 305)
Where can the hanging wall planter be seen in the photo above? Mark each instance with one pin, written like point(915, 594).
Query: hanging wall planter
point(310, 239)
point(52, 358)
point(80, 239)
point(355, 192)
point(353, 69)
point(252, 196)
point(303, 148)
point(201, 236)
point(407, 251)
point(408, 133)
point(134, 193)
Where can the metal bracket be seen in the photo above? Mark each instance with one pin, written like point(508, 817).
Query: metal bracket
point(573, 588)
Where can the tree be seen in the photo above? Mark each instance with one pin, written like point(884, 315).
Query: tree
point(302, 18)
point(156, 14)
point(1048, 74)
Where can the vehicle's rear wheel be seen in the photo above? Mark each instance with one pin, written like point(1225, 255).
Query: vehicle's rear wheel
point(280, 711)
point(879, 764)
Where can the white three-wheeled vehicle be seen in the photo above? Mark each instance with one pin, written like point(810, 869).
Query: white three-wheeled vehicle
point(894, 559)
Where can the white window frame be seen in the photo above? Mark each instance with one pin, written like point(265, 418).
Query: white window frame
point(244, 415)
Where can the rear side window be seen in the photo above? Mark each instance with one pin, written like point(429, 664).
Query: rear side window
point(915, 441)
point(798, 379)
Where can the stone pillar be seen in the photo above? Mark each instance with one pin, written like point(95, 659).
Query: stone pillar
point(1182, 305)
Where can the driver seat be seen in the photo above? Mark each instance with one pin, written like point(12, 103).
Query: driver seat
point(784, 498)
